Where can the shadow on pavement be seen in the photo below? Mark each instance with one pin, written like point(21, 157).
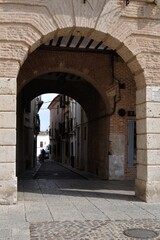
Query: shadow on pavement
point(55, 179)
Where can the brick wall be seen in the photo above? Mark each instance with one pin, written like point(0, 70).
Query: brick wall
point(132, 30)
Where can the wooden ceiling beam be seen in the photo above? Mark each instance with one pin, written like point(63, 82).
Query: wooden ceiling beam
point(71, 49)
point(98, 45)
point(59, 42)
point(70, 41)
point(89, 44)
point(79, 42)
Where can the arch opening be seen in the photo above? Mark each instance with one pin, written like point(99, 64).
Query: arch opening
point(76, 88)
point(118, 29)
point(97, 78)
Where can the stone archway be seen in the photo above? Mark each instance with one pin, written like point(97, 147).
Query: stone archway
point(97, 69)
point(88, 93)
point(122, 28)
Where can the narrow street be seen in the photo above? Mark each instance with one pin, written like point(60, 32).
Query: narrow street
point(53, 170)
point(60, 204)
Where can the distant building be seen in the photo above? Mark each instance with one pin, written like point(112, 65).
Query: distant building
point(68, 132)
point(30, 127)
point(42, 141)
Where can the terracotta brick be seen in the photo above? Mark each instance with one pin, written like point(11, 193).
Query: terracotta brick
point(133, 31)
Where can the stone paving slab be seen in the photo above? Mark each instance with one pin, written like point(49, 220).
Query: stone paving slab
point(90, 230)
point(16, 231)
point(75, 208)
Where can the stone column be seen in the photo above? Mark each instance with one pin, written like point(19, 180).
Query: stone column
point(8, 180)
point(147, 185)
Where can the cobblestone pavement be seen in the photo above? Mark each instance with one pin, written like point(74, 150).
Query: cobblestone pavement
point(90, 230)
point(61, 204)
point(89, 209)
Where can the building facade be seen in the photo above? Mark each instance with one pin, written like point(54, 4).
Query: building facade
point(68, 132)
point(42, 142)
point(28, 128)
point(102, 35)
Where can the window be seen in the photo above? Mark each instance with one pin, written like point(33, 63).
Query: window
point(71, 124)
point(50, 132)
point(71, 148)
point(41, 144)
point(132, 148)
point(85, 133)
point(62, 101)
point(67, 149)
point(57, 109)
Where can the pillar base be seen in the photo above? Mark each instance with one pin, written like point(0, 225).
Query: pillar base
point(8, 191)
point(147, 191)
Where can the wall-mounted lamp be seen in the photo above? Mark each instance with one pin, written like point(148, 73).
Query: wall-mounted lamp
point(127, 2)
point(121, 112)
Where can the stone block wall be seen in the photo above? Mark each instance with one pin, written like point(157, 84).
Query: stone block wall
point(133, 31)
point(8, 182)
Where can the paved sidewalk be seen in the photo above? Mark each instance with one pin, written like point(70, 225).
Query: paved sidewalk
point(60, 204)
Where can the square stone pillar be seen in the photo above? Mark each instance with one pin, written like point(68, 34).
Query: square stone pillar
point(8, 180)
point(147, 185)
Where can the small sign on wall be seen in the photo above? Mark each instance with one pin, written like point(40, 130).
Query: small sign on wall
point(156, 94)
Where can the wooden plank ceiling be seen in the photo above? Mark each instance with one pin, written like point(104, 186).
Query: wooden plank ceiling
point(76, 43)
